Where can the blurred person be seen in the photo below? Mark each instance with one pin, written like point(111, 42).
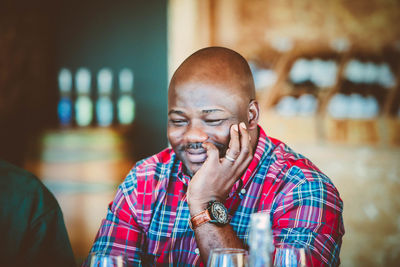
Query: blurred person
point(198, 194)
point(32, 230)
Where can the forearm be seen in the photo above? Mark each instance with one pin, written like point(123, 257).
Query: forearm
point(210, 236)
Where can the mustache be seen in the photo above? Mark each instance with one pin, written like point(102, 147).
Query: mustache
point(198, 145)
point(193, 145)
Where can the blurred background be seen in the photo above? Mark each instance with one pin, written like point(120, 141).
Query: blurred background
point(83, 96)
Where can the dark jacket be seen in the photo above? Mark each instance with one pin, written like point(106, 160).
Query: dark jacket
point(32, 229)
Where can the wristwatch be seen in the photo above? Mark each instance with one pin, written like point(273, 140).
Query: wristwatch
point(215, 213)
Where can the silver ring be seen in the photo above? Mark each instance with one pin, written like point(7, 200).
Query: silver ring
point(230, 158)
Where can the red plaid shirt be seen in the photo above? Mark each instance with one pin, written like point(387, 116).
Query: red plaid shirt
point(148, 219)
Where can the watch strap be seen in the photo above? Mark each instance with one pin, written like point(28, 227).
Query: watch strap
point(199, 219)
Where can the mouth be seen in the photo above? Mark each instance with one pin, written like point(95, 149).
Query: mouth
point(196, 156)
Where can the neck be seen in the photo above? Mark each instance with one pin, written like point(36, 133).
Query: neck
point(254, 138)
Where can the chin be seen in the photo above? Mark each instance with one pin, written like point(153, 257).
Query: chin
point(193, 168)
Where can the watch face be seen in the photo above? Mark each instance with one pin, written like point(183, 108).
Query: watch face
point(219, 213)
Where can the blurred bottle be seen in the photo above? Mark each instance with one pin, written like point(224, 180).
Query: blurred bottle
point(104, 105)
point(260, 240)
point(126, 103)
point(84, 103)
point(64, 107)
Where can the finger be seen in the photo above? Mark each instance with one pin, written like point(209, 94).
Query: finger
point(245, 146)
point(234, 144)
point(212, 152)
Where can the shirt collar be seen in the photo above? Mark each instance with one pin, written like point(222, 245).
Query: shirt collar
point(262, 149)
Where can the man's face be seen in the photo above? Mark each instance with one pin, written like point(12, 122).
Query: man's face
point(199, 112)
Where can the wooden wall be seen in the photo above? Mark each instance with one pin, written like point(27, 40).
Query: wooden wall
point(368, 25)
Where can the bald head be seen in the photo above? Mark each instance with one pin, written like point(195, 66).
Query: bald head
point(218, 66)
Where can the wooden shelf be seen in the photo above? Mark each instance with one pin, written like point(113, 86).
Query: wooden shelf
point(381, 130)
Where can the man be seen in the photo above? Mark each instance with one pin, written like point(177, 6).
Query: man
point(31, 222)
point(221, 167)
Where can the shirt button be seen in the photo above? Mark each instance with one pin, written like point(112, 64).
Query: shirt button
point(243, 191)
point(197, 251)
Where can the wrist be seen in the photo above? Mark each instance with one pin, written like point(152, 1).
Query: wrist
point(198, 205)
point(215, 213)
point(196, 208)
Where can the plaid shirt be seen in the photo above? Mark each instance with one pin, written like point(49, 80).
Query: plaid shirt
point(148, 219)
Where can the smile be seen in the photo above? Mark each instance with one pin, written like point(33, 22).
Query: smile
point(196, 155)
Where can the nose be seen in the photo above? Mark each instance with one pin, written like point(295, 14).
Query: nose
point(195, 134)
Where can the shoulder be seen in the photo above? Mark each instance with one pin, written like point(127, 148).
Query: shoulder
point(143, 184)
point(162, 158)
point(13, 175)
point(21, 182)
point(23, 191)
point(296, 169)
point(150, 170)
point(299, 183)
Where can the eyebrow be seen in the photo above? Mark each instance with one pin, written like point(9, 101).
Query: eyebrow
point(204, 111)
point(211, 110)
point(173, 111)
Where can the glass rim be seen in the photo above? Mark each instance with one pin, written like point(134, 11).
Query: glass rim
point(292, 246)
point(229, 250)
point(105, 254)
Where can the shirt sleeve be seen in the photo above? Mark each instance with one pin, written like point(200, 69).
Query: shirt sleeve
point(308, 213)
point(120, 233)
point(123, 231)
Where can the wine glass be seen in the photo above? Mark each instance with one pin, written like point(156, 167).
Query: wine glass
point(291, 256)
point(228, 257)
point(106, 260)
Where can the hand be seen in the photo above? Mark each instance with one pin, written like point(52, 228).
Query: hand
point(215, 179)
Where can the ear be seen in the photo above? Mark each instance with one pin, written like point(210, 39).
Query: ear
point(253, 114)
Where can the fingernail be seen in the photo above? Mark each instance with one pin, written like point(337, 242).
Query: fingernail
point(243, 125)
point(235, 127)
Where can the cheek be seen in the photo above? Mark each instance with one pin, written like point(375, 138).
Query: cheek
point(222, 135)
point(174, 135)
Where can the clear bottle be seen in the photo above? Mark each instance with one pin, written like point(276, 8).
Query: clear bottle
point(260, 240)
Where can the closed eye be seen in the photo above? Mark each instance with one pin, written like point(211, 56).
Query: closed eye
point(178, 122)
point(215, 122)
